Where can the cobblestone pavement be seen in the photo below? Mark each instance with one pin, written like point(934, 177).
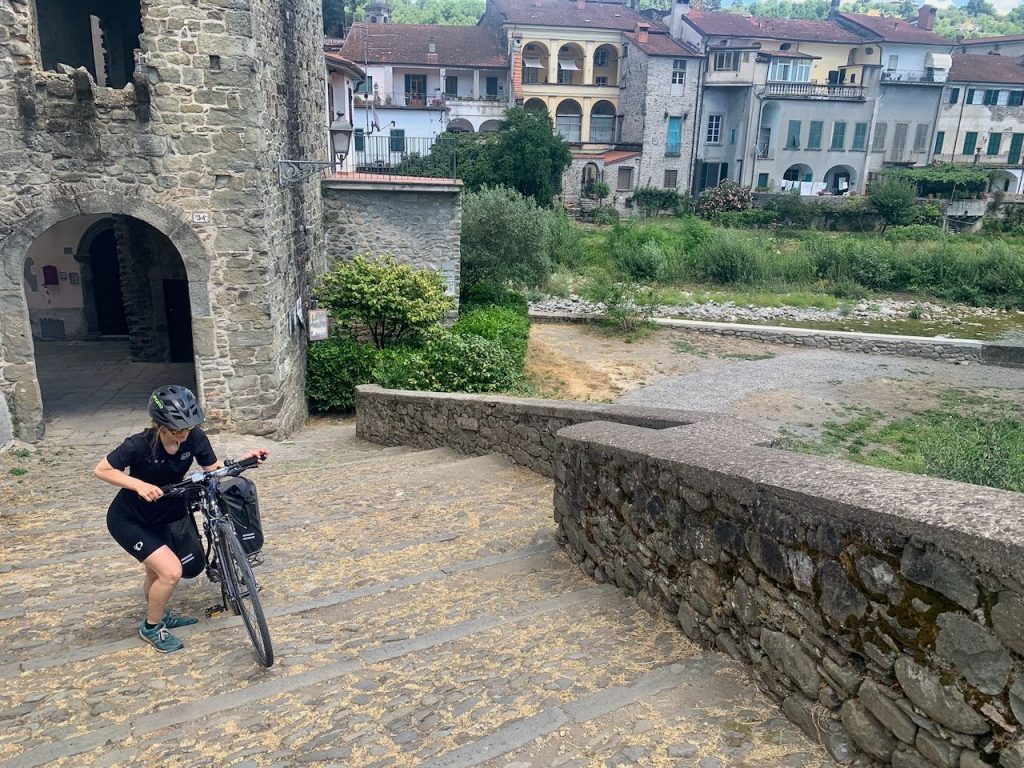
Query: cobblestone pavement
point(421, 615)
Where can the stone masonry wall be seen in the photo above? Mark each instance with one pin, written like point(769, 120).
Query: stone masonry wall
point(884, 611)
point(224, 90)
point(418, 227)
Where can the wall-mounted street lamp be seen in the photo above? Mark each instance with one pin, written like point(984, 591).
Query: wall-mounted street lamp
point(293, 171)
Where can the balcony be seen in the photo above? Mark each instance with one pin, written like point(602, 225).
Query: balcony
point(909, 77)
point(814, 91)
point(673, 150)
point(400, 100)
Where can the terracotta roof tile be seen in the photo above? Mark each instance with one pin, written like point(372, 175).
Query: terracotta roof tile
point(340, 61)
point(895, 30)
point(407, 44)
point(662, 45)
point(565, 13)
point(969, 68)
point(992, 40)
point(717, 24)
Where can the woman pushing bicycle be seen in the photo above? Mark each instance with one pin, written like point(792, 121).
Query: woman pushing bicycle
point(160, 533)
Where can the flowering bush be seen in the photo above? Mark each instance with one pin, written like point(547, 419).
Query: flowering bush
point(727, 196)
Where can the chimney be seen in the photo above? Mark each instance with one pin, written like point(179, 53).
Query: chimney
point(684, 7)
point(581, 4)
point(642, 31)
point(926, 17)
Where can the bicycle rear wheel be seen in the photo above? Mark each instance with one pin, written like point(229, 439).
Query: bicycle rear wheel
point(239, 586)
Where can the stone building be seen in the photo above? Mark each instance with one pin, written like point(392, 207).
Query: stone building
point(139, 193)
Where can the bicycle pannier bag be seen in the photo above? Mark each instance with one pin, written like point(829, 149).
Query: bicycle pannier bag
point(238, 499)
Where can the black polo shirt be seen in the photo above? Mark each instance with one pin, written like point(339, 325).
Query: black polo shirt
point(144, 456)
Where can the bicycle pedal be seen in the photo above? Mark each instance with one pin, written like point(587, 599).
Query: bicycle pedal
point(214, 610)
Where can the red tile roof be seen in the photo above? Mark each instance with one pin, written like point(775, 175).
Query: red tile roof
point(340, 62)
point(992, 40)
point(659, 44)
point(408, 44)
point(564, 13)
point(768, 53)
point(969, 68)
point(895, 30)
point(716, 24)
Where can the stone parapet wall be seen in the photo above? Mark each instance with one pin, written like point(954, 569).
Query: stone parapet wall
point(948, 350)
point(884, 611)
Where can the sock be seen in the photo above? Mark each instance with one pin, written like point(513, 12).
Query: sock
point(151, 626)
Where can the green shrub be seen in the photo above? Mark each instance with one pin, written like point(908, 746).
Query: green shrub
point(729, 258)
point(334, 367)
point(653, 200)
point(448, 362)
point(755, 218)
point(892, 198)
point(605, 214)
point(560, 283)
point(504, 239)
point(791, 211)
point(926, 213)
point(639, 251)
point(565, 240)
point(694, 234)
point(393, 302)
point(918, 232)
point(504, 325)
point(727, 196)
point(490, 295)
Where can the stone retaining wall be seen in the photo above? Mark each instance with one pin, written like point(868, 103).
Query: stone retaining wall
point(884, 611)
point(948, 350)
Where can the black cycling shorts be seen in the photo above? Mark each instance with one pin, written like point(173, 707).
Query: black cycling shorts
point(141, 540)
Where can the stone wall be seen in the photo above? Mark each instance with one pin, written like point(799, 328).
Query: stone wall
point(419, 225)
point(884, 611)
point(190, 148)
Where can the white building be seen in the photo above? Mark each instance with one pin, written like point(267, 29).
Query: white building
point(420, 81)
point(981, 118)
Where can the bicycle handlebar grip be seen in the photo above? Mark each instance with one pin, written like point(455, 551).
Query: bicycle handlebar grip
point(252, 461)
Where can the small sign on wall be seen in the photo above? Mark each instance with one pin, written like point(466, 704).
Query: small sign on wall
point(448, 272)
point(201, 217)
point(317, 324)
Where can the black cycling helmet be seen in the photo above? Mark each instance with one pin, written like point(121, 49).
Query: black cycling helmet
point(175, 407)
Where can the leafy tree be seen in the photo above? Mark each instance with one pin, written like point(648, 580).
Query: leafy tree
point(979, 8)
point(529, 156)
point(892, 198)
point(393, 302)
point(504, 239)
point(456, 12)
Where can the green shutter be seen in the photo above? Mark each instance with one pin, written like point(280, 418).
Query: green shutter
point(762, 180)
point(940, 137)
point(860, 136)
point(995, 143)
point(838, 135)
point(1016, 144)
point(793, 135)
point(397, 140)
point(814, 137)
point(954, 95)
point(970, 142)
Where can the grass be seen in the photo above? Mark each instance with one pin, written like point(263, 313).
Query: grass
point(18, 471)
point(970, 439)
point(745, 356)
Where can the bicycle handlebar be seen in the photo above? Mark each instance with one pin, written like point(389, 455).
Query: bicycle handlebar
point(192, 480)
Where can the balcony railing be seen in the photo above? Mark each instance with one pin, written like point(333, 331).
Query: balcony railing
point(763, 152)
point(907, 76)
point(815, 91)
point(399, 158)
point(673, 150)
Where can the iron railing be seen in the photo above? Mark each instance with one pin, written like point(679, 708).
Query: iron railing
point(400, 158)
point(907, 76)
point(815, 91)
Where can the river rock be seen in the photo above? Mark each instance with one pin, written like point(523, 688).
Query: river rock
point(1017, 700)
point(939, 751)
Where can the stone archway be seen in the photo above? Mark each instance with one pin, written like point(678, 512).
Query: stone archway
point(18, 376)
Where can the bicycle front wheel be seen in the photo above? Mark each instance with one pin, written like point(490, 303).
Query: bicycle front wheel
point(239, 586)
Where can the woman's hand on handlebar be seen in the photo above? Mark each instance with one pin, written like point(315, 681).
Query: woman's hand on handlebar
point(261, 454)
point(149, 492)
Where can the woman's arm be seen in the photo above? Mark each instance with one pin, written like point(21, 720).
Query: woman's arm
point(260, 453)
point(109, 474)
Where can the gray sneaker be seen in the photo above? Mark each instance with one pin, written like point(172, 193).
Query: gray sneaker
point(160, 638)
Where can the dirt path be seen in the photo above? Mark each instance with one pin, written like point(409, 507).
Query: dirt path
point(775, 386)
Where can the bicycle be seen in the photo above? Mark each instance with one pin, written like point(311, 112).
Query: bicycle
point(231, 566)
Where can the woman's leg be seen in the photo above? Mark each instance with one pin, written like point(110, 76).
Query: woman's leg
point(163, 572)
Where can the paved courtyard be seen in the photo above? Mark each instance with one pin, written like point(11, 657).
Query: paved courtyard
point(421, 613)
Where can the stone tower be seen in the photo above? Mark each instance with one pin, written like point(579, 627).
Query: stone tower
point(158, 126)
point(378, 12)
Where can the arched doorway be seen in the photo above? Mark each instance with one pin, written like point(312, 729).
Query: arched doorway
point(840, 179)
point(591, 175)
point(535, 105)
point(767, 130)
point(460, 125)
point(490, 126)
point(535, 63)
point(570, 64)
point(798, 172)
point(104, 294)
point(606, 65)
point(44, 266)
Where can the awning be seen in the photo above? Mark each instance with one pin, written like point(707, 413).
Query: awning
point(938, 61)
point(532, 63)
point(567, 63)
